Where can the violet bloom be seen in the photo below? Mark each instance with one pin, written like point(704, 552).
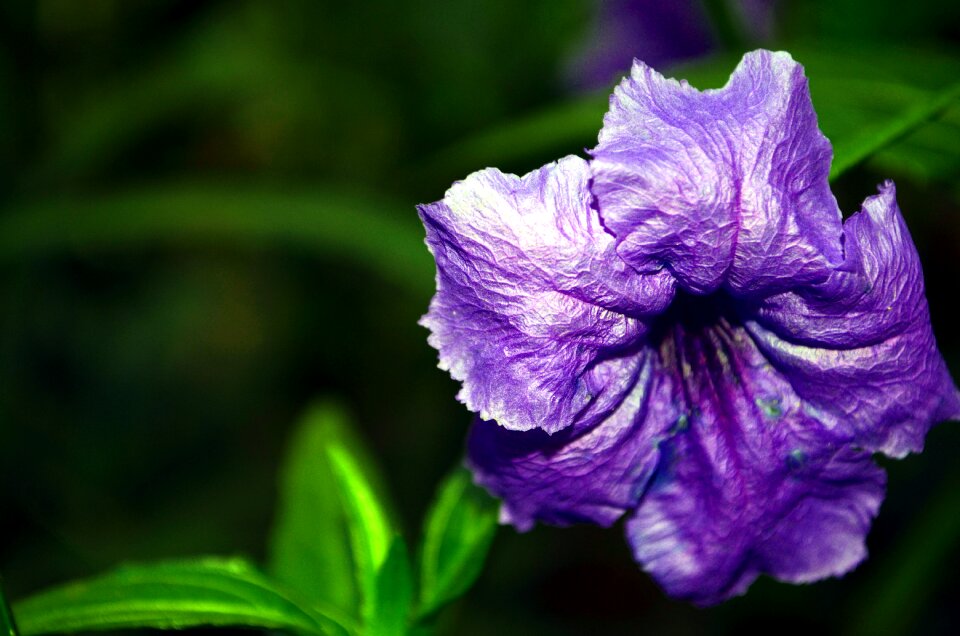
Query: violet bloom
point(684, 331)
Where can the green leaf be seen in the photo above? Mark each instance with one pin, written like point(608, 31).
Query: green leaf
point(7, 625)
point(459, 529)
point(173, 595)
point(853, 149)
point(368, 523)
point(309, 545)
point(928, 154)
point(393, 593)
point(358, 228)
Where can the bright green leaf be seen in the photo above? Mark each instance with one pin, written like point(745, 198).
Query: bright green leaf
point(368, 523)
point(358, 228)
point(459, 528)
point(393, 594)
point(7, 625)
point(173, 595)
point(309, 546)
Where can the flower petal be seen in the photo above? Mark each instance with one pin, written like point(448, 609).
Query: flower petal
point(585, 473)
point(859, 347)
point(726, 186)
point(530, 296)
point(753, 485)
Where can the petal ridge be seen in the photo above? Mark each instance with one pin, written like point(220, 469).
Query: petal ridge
point(755, 483)
point(724, 187)
point(530, 295)
point(594, 471)
point(859, 347)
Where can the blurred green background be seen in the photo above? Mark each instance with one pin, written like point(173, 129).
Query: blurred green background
point(207, 221)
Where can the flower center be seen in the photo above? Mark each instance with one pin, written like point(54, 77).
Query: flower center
point(695, 313)
point(701, 342)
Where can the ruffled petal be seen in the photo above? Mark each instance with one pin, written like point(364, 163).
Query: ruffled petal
point(732, 417)
point(585, 473)
point(754, 484)
point(722, 187)
point(859, 348)
point(530, 296)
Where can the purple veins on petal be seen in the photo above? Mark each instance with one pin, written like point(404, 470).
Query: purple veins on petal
point(722, 187)
point(859, 347)
point(587, 472)
point(683, 333)
point(755, 483)
point(530, 300)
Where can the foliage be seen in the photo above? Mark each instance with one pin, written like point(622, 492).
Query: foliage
point(331, 510)
point(206, 217)
point(172, 595)
point(7, 625)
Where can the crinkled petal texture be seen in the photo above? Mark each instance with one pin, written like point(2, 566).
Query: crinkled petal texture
point(859, 348)
point(788, 398)
point(531, 299)
point(721, 187)
point(703, 348)
point(587, 472)
point(754, 483)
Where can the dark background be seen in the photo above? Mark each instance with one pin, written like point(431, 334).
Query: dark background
point(147, 388)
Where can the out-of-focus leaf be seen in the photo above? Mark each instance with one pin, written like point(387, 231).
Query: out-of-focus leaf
point(729, 32)
point(892, 600)
point(851, 150)
point(199, 75)
point(858, 21)
point(558, 130)
point(358, 228)
point(221, 65)
point(459, 528)
point(867, 100)
point(929, 154)
point(368, 522)
point(8, 626)
point(393, 593)
point(173, 595)
point(310, 546)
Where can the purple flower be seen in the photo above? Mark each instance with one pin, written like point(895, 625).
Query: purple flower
point(683, 331)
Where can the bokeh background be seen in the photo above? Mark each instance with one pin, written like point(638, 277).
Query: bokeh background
point(207, 221)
